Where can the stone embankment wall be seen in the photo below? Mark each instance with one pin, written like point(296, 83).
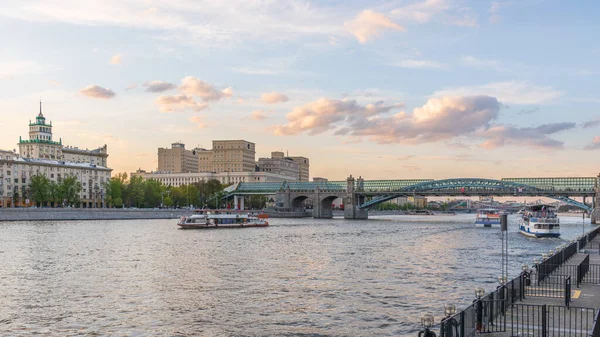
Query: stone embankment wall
point(41, 214)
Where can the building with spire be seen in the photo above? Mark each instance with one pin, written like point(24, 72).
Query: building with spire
point(41, 154)
point(40, 145)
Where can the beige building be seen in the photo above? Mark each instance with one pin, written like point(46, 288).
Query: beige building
point(40, 154)
point(279, 164)
point(177, 159)
point(179, 179)
point(233, 156)
point(304, 165)
point(40, 145)
point(227, 156)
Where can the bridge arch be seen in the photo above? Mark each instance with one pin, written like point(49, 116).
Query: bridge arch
point(470, 187)
point(298, 201)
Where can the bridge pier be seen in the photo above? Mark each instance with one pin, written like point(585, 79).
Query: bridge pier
point(352, 201)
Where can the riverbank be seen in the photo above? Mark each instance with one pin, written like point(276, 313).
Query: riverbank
point(56, 214)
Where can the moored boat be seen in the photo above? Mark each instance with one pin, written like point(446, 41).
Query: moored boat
point(222, 218)
point(540, 221)
point(487, 217)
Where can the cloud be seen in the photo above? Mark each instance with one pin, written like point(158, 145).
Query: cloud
point(258, 115)
point(116, 60)
point(326, 114)
point(199, 121)
point(172, 103)
point(536, 137)
point(369, 24)
point(480, 63)
point(528, 111)
point(273, 97)
point(591, 124)
point(452, 119)
point(439, 119)
point(515, 92)
point(200, 23)
point(14, 68)
point(418, 64)
point(95, 91)
point(494, 9)
point(159, 86)
point(439, 10)
point(193, 86)
point(131, 87)
point(595, 145)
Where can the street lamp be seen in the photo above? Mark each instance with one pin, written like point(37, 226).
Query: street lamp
point(426, 323)
point(479, 292)
point(450, 324)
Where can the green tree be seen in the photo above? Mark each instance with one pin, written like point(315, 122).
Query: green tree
point(54, 193)
point(135, 192)
point(69, 189)
point(39, 189)
point(257, 202)
point(168, 202)
point(152, 193)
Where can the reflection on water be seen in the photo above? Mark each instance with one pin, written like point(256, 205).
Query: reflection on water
point(302, 276)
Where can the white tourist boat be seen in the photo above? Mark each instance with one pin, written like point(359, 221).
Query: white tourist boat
point(222, 218)
point(488, 217)
point(540, 221)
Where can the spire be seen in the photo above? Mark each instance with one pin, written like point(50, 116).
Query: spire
point(41, 115)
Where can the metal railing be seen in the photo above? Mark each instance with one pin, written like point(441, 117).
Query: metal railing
point(550, 320)
point(593, 274)
point(582, 269)
point(596, 328)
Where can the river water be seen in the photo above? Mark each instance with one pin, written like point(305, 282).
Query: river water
point(302, 277)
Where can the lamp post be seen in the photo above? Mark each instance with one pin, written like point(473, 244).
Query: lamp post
point(426, 323)
point(479, 292)
point(525, 279)
point(450, 324)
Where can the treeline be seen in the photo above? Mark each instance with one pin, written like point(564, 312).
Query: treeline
point(120, 192)
point(137, 192)
point(46, 192)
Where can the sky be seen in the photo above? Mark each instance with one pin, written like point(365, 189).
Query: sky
point(427, 89)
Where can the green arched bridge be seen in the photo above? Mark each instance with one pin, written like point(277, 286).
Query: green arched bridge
point(367, 193)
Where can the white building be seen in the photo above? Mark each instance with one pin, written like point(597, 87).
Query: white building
point(178, 179)
point(40, 154)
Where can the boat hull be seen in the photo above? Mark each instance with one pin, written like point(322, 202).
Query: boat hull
point(487, 222)
point(202, 226)
point(539, 235)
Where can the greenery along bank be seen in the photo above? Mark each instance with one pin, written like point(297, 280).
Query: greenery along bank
point(120, 191)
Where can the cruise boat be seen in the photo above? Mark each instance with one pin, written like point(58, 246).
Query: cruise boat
point(540, 221)
point(222, 218)
point(488, 217)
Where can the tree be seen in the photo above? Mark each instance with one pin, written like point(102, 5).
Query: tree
point(39, 189)
point(54, 193)
point(69, 189)
point(135, 192)
point(152, 193)
point(257, 202)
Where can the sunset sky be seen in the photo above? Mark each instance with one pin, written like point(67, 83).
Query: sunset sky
point(382, 89)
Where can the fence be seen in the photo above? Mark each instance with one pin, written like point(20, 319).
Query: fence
point(596, 329)
point(550, 320)
point(500, 310)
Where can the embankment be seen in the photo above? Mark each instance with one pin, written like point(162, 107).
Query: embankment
point(53, 214)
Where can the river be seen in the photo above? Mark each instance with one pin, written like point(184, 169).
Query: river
point(304, 277)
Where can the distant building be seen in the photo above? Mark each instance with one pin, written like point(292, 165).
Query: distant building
point(279, 164)
point(177, 159)
point(40, 154)
point(179, 179)
point(320, 179)
point(304, 165)
point(40, 145)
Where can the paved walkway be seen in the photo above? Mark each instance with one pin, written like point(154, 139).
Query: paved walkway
point(526, 318)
